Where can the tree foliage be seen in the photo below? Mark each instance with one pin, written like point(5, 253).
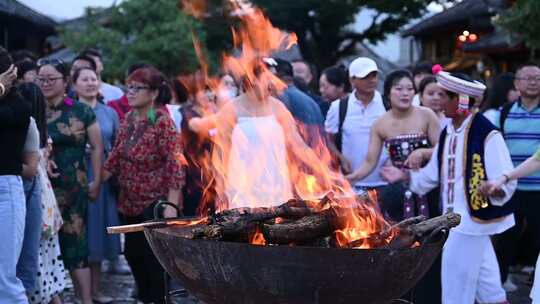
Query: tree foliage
point(522, 20)
point(156, 32)
point(324, 27)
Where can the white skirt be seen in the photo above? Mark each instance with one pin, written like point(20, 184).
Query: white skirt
point(51, 278)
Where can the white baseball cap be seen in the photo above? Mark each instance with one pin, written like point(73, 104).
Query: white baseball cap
point(361, 67)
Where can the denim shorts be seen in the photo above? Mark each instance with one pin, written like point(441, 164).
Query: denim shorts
point(12, 222)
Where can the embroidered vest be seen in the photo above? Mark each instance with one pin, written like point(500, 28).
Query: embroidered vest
point(477, 132)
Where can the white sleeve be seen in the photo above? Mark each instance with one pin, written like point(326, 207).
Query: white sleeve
point(427, 178)
point(331, 124)
point(118, 92)
point(31, 144)
point(498, 162)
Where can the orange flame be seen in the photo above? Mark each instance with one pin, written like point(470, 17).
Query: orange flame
point(257, 238)
point(196, 8)
point(256, 39)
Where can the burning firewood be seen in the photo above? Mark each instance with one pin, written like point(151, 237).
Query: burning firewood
point(311, 227)
point(309, 222)
point(412, 230)
point(305, 229)
point(239, 224)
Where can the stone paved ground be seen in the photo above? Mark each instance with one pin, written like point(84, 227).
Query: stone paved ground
point(121, 287)
point(521, 296)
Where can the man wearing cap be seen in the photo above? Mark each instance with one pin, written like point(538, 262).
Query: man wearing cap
point(349, 121)
point(470, 151)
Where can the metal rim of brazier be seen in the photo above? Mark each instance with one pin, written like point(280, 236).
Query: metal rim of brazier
point(236, 273)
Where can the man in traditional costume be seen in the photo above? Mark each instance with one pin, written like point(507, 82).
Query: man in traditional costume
point(470, 151)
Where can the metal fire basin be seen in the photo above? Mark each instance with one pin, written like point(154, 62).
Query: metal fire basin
point(237, 273)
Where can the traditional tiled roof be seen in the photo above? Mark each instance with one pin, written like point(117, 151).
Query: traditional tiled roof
point(463, 12)
point(17, 9)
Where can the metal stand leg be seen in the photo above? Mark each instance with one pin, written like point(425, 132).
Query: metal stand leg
point(168, 292)
point(167, 297)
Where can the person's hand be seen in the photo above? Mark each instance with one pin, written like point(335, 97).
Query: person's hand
point(8, 77)
point(415, 160)
point(392, 174)
point(93, 191)
point(346, 166)
point(51, 169)
point(194, 124)
point(493, 188)
point(170, 212)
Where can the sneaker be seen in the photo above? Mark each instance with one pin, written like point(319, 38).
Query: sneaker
point(527, 269)
point(509, 286)
point(102, 299)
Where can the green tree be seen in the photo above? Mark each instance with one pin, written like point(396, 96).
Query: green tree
point(152, 31)
point(522, 20)
point(324, 26)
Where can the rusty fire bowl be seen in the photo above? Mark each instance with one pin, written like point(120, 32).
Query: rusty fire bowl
point(236, 273)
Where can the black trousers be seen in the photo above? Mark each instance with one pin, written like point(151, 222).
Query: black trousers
point(146, 269)
point(428, 290)
point(527, 217)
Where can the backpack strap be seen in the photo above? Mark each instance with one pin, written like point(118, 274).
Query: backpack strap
point(343, 105)
point(505, 110)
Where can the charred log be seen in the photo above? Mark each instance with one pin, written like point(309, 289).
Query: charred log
point(410, 231)
point(238, 224)
point(303, 230)
point(310, 228)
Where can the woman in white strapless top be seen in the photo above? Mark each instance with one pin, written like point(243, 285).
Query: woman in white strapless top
point(253, 139)
point(257, 168)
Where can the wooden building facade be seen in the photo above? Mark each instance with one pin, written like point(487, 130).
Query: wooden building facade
point(23, 28)
point(462, 38)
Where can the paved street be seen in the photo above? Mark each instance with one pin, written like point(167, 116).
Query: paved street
point(122, 288)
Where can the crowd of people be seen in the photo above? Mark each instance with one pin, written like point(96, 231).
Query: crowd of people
point(80, 155)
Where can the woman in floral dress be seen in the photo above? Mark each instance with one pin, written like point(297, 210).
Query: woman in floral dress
point(50, 273)
point(71, 125)
point(148, 162)
point(103, 212)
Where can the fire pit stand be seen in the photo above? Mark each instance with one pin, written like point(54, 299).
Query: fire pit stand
point(166, 277)
point(236, 273)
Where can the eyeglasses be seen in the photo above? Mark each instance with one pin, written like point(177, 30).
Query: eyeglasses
point(135, 88)
point(44, 80)
point(529, 78)
point(53, 62)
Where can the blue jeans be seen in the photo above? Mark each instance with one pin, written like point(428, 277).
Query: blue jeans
point(12, 217)
point(27, 267)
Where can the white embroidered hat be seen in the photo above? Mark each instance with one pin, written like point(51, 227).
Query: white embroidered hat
point(460, 86)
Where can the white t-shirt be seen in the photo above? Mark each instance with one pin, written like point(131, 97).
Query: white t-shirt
point(493, 115)
point(31, 145)
point(356, 132)
point(416, 100)
point(174, 112)
point(110, 92)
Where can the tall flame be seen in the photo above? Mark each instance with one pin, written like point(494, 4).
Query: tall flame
point(255, 38)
